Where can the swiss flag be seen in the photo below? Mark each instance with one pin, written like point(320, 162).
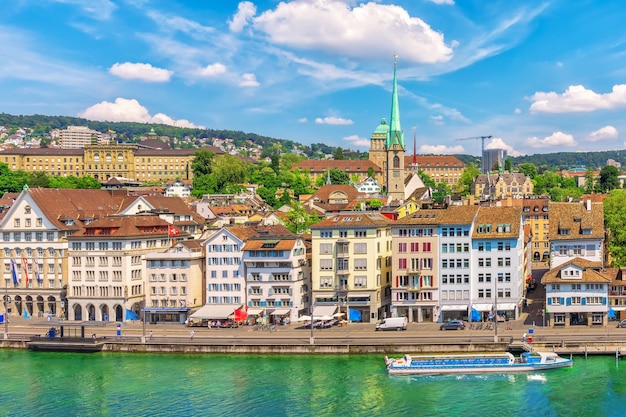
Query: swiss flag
point(241, 315)
point(172, 231)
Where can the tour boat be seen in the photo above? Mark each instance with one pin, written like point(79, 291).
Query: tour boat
point(475, 363)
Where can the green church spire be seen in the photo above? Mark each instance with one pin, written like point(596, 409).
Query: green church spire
point(396, 136)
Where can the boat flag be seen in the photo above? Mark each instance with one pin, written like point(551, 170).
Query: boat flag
point(25, 265)
point(14, 272)
point(26, 315)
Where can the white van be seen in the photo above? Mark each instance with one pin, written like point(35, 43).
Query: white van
point(392, 323)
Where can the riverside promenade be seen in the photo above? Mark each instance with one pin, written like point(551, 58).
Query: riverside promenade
point(295, 338)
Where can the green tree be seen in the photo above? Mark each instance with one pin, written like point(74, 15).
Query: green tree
point(228, 171)
point(590, 181)
point(204, 184)
point(615, 218)
point(338, 156)
point(371, 173)
point(609, 178)
point(469, 174)
point(202, 162)
point(508, 165)
point(88, 182)
point(529, 169)
point(269, 196)
point(299, 219)
point(337, 176)
point(289, 160)
point(39, 179)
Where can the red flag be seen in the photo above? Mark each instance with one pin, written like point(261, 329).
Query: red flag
point(240, 315)
point(172, 231)
point(25, 265)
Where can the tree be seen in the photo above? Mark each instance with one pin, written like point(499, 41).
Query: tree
point(204, 184)
point(202, 162)
point(590, 181)
point(337, 176)
point(469, 174)
point(508, 165)
point(609, 178)
point(371, 172)
point(299, 220)
point(615, 218)
point(338, 156)
point(228, 170)
point(529, 169)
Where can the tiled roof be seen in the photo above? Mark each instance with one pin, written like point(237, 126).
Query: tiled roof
point(425, 216)
point(126, 226)
point(431, 161)
point(352, 220)
point(574, 218)
point(348, 165)
point(258, 244)
point(494, 217)
point(592, 272)
point(460, 214)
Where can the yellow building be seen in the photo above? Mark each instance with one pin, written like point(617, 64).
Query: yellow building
point(352, 264)
point(103, 162)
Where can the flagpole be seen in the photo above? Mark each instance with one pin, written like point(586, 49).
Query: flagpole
point(6, 317)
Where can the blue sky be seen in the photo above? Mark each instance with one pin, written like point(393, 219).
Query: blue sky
point(539, 77)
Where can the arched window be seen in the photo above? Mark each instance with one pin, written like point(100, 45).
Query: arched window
point(108, 157)
point(96, 157)
point(120, 157)
point(396, 162)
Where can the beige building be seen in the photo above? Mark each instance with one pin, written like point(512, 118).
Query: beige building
point(175, 282)
point(502, 186)
point(351, 267)
point(76, 137)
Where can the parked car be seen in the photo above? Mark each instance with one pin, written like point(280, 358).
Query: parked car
point(453, 325)
point(621, 323)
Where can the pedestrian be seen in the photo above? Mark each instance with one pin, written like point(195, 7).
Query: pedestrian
point(192, 334)
point(151, 335)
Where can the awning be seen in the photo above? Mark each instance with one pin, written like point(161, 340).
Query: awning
point(452, 307)
point(615, 308)
point(255, 311)
point(280, 312)
point(483, 307)
point(324, 311)
point(506, 306)
point(166, 309)
point(215, 311)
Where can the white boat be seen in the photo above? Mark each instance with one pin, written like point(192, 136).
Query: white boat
point(475, 363)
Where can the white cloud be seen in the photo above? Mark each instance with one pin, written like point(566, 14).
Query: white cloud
point(498, 143)
point(438, 120)
point(248, 80)
point(607, 132)
point(139, 71)
point(440, 149)
point(556, 139)
point(446, 2)
point(211, 70)
point(578, 99)
point(369, 30)
point(97, 9)
point(245, 11)
point(303, 120)
point(129, 110)
point(333, 121)
point(517, 111)
point(357, 141)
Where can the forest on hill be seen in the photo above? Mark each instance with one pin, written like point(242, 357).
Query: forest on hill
point(131, 131)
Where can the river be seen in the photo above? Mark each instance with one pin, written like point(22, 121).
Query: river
point(112, 384)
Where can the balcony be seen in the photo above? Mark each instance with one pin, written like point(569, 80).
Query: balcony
point(342, 287)
point(412, 270)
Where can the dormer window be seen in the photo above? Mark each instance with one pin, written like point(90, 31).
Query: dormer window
point(27, 210)
point(563, 232)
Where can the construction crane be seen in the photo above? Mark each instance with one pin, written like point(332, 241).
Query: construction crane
point(482, 151)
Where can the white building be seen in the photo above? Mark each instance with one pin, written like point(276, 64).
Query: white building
point(577, 294)
point(576, 231)
point(75, 137)
point(177, 189)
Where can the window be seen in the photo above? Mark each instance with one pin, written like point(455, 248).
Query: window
point(360, 281)
point(360, 248)
point(326, 264)
point(360, 264)
point(326, 248)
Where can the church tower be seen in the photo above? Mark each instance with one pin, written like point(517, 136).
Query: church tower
point(395, 148)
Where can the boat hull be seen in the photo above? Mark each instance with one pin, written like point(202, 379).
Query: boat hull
point(475, 364)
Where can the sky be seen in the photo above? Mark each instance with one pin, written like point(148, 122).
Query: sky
point(523, 75)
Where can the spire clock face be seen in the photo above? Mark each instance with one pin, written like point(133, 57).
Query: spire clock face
point(396, 174)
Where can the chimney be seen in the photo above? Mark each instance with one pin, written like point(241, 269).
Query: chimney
point(588, 204)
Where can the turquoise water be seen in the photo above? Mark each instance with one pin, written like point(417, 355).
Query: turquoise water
point(111, 384)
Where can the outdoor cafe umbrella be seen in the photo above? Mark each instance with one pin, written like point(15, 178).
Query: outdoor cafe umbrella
point(304, 318)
